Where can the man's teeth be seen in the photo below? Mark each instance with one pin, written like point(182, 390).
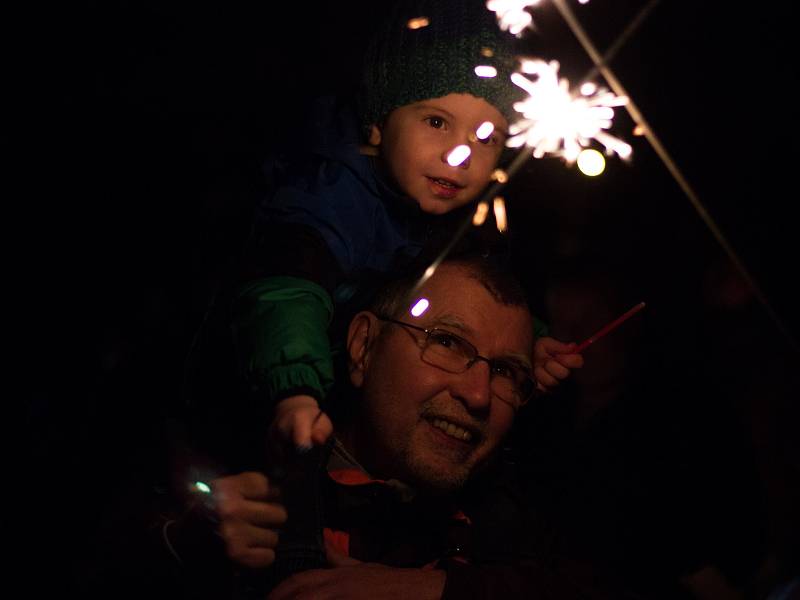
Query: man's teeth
point(452, 430)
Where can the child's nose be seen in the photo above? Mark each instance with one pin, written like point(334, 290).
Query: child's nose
point(459, 156)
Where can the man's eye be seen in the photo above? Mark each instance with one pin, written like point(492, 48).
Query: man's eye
point(445, 340)
point(504, 370)
point(436, 122)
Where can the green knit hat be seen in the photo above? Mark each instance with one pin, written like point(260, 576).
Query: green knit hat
point(405, 64)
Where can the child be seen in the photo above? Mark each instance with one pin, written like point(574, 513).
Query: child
point(369, 192)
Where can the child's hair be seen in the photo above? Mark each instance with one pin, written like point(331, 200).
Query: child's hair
point(405, 64)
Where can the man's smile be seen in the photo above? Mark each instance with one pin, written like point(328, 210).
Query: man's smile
point(452, 429)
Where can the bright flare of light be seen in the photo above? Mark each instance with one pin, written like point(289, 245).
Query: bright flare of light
point(458, 155)
point(588, 88)
point(638, 130)
point(485, 71)
point(202, 487)
point(500, 214)
point(418, 22)
point(487, 52)
point(558, 122)
point(485, 130)
point(499, 176)
point(479, 218)
point(511, 14)
point(591, 162)
point(420, 306)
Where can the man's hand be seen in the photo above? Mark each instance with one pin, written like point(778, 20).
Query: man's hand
point(300, 422)
point(553, 361)
point(250, 517)
point(350, 578)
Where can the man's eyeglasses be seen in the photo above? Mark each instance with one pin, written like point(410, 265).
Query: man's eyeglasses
point(510, 382)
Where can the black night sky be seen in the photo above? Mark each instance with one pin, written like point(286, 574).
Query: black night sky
point(148, 128)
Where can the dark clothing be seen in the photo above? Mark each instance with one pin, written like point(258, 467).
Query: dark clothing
point(487, 540)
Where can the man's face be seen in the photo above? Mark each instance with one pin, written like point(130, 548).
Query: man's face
point(416, 139)
point(414, 416)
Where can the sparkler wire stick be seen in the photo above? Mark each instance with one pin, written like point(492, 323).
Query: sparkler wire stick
point(669, 163)
point(620, 41)
point(466, 223)
point(608, 328)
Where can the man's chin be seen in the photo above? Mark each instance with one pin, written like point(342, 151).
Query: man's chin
point(437, 476)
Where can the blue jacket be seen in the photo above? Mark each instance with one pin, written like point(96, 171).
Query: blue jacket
point(331, 220)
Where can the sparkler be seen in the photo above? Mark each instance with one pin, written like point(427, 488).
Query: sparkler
point(511, 14)
point(500, 177)
point(606, 329)
point(559, 122)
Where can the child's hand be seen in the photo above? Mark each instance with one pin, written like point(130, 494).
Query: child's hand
point(299, 421)
point(553, 361)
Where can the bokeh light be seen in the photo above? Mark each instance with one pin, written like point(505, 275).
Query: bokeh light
point(420, 306)
point(591, 162)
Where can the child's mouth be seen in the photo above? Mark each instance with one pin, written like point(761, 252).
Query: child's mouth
point(444, 188)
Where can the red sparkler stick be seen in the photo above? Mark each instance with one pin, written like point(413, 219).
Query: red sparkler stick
point(606, 329)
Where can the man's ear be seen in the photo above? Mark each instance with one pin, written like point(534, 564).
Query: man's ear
point(360, 335)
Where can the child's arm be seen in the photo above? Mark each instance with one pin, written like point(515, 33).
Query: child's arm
point(553, 361)
point(280, 332)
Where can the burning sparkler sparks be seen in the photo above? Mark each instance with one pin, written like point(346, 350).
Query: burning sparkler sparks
point(479, 218)
point(559, 122)
point(511, 14)
point(500, 214)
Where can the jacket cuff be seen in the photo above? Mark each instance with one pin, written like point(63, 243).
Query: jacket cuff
point(540, 329)
point(289, 380)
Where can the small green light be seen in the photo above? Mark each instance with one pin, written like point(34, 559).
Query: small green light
point(202, 487)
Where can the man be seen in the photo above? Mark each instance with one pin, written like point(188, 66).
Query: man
point(434, 397)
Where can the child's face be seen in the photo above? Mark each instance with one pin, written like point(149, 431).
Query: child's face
point(416, 139)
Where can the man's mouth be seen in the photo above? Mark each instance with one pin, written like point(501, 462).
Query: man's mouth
point(451, 429)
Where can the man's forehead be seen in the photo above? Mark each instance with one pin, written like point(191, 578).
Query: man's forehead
point(456, 299)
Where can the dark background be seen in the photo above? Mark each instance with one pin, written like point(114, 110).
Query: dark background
point(148, 123)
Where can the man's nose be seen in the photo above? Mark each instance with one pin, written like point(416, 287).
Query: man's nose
point(473, 387)
point(458, 156)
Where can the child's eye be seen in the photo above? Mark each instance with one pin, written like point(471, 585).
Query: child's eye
point(489, 140)
point(436, 122)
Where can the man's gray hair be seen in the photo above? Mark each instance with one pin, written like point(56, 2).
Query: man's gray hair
point(496, 276)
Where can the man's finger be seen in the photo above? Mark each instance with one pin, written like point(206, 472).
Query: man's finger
point(250, 485)
point(337, 559)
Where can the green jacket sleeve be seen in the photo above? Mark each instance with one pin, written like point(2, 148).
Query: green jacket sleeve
point(540, 329)
point(279, 328)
